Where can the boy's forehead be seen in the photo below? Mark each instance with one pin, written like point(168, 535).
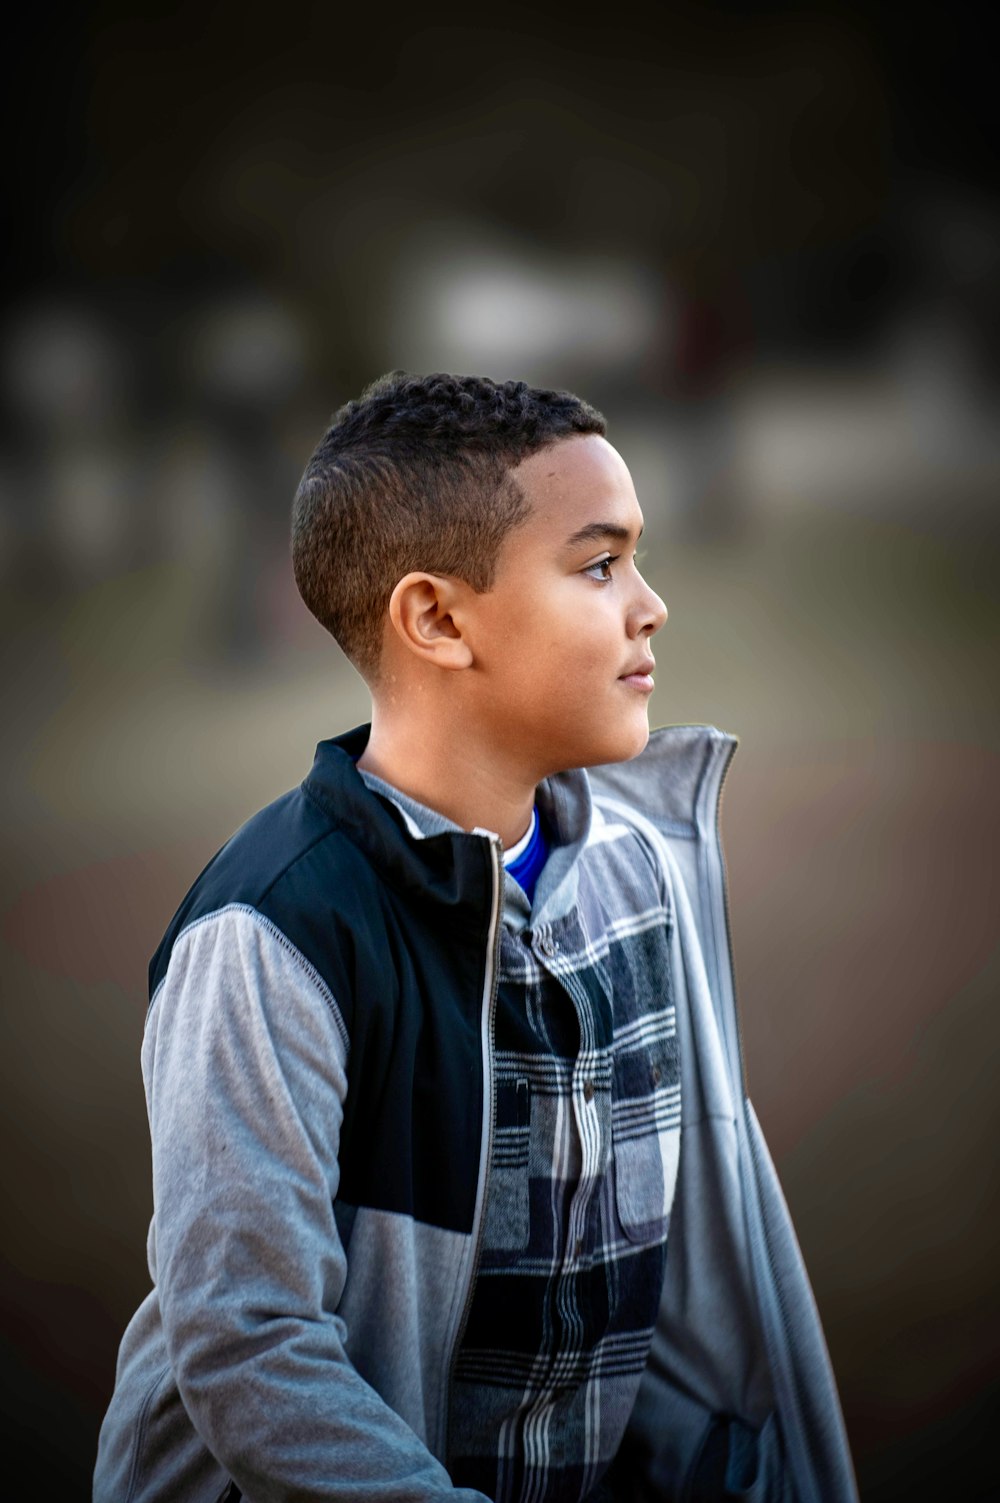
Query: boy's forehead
point(574, 483)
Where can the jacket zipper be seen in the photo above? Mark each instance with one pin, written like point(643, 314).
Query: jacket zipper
point(489, 1100)
point(756, 1225)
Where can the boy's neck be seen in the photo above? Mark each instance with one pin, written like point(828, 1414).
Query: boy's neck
point(453, 775)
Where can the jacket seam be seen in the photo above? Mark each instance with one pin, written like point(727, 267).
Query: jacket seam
point(140, 1429)
point(296, 955)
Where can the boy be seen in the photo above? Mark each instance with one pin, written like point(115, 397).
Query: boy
point(456, 1191)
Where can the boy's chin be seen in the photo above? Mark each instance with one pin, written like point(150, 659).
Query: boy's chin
point(621, 748)
point(636, 745)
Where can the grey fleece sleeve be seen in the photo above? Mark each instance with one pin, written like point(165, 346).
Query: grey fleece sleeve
point(245, 1068)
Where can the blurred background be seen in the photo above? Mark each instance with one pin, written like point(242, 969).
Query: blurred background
point(765, 241)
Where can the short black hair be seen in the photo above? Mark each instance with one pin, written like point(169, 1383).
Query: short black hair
point(415, 475)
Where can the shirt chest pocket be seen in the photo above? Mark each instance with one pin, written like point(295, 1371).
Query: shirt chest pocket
point(645, 1126)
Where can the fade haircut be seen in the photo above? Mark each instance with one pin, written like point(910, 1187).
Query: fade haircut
point(415, 475)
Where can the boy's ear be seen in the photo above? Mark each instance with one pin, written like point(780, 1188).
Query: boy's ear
point(425, 611)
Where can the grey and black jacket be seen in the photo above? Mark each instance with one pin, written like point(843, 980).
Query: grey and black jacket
point(458, 1196)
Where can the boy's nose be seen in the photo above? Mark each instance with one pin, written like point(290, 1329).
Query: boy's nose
point(651, 613)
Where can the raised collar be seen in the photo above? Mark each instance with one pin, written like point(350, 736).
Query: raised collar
point(453, 868)
point(441, 865)
point(674, 782)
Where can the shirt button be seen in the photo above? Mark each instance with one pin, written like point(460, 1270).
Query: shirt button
point(588, 1090)
point(578, 1247)
point(547, 945)
point(656, 1074)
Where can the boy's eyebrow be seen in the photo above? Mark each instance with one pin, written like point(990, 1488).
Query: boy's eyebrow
point(594, 530)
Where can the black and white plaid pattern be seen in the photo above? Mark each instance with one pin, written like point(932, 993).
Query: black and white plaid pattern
point(581, 1179)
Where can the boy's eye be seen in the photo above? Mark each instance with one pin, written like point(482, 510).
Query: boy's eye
point(603, 565)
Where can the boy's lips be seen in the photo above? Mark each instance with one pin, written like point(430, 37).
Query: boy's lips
point(641, 675)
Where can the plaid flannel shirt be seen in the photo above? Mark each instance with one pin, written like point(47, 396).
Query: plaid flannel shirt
point(581, 1175)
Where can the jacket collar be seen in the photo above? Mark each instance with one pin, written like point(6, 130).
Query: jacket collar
point(675, 781)
point(669, 782)
point(442, 866)
point(453, 868)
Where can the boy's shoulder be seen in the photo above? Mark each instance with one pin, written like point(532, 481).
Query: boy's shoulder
point(288, 864)
point(322, 866)
point(247, 871)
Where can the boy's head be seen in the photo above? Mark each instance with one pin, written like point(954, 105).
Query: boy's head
point(416, 475)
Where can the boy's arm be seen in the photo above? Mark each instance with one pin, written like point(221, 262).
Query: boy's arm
point(245, 1059)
